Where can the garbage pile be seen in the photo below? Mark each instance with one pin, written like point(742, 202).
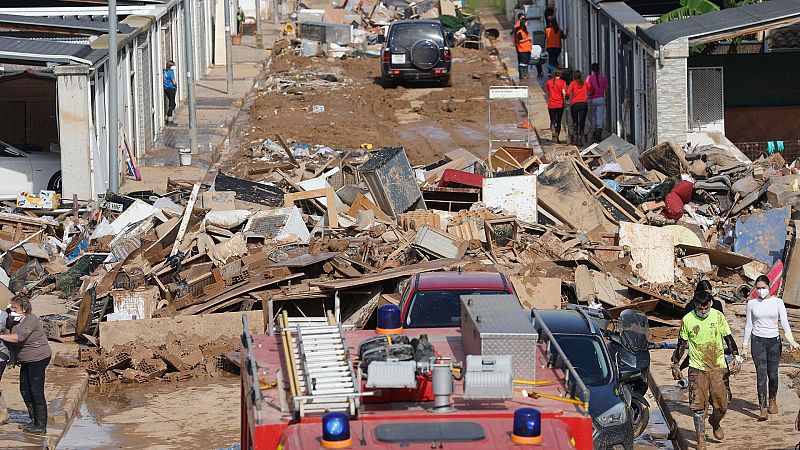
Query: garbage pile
point(311, 229)
point(358, 28)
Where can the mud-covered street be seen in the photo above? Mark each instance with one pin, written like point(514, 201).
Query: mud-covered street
point(424, 118)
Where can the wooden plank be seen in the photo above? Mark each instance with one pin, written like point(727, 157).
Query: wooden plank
point(362, 203)
point(187, 213)
point(644, 306)
point(389, 274)
point(221, 300)
point(328, 193)
point(718, 257)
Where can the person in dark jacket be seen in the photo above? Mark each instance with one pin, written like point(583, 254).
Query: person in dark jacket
point(33, 355)
point(703, 285)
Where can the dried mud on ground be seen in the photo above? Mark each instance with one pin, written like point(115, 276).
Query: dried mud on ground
point(423, 117)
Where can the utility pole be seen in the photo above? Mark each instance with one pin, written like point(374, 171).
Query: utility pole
point(228, 48)
point(113, 98)
point(187, 37)
point(259, 40)
point(276, 5)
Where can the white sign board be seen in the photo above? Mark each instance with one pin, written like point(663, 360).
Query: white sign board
point(515, 195)
point(508, 92)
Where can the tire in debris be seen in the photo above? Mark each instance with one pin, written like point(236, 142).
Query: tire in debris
point(425, 54)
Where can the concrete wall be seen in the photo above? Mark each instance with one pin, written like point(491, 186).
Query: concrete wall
point(671, 92)
point(74, 127)
point(151, 331)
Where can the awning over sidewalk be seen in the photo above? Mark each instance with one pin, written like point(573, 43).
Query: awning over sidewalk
point(724, 24)
point(44, 51)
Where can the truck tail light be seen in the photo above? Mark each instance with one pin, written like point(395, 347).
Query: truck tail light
point(386, 56)
point(448, 56)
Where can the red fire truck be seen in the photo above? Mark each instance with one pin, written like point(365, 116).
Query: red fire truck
point(495, 382)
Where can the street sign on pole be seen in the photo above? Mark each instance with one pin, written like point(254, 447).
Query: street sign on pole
point(509, 92)
point(519, 93)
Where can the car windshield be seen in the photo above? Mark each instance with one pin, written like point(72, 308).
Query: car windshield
point(587, 357)
point(439, 308)
point(407, 34)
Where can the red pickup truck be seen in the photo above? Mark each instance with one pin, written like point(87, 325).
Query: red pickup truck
point(432, 300)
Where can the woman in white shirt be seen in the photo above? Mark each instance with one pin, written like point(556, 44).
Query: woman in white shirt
point(761, 329)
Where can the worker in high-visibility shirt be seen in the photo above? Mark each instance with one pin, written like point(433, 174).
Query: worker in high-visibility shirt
point(523, 44)
point(552, 43)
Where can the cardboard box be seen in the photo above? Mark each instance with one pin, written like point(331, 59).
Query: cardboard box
point(43, 200)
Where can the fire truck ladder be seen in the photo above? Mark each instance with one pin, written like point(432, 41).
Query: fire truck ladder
point(321, 377)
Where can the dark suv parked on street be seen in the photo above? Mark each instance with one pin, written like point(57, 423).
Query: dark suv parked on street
point(415, 50)
point(581, 339)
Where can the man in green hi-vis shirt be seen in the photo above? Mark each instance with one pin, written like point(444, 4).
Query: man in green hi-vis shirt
point(705, 332)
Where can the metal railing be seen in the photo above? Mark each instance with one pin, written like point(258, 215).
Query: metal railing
point(556, 358)
point(249, 364)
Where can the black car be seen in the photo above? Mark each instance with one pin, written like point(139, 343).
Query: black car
point(416, 50)
point(582, 341)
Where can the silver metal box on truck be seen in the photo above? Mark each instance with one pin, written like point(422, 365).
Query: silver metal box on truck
point(498, 325)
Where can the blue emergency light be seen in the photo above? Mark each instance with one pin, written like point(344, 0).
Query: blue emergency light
point(336, 430)
point(527, 427)
point(389, 321)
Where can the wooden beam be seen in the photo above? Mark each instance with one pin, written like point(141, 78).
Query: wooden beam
point(328, 193)
point(187, 213)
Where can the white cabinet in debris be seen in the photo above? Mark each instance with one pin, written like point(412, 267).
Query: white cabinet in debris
point(515, 195)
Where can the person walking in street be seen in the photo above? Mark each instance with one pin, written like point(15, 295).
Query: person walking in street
point(522, 42)
point(705, 332)
point(597, 101)
point(170, 88)
point(578, 93)
point(5, 359)
point(705, 286)
point(552, 43)
point(763, 315)
point(33, 354)
point(556, 90)
point(549, 13)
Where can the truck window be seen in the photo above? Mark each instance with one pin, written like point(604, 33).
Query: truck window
point(407, 34)
point(439, 308)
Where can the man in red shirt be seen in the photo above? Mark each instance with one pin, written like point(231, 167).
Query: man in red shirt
point(556, 89)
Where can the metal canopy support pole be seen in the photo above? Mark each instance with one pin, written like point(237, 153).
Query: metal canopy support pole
point(113, 99)
point(228, 48)
point(259, 40)
point(187, 37)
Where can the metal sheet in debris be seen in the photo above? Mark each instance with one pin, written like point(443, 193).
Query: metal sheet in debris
point(762, 236)
point(327, 33)
point(390, 180)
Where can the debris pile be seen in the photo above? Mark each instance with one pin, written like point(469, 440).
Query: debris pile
point(341, 229)
point(178, 359)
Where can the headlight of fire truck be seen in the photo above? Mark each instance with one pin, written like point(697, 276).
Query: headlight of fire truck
point(616, 415)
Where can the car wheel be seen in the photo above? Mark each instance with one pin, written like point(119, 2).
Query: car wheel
point(55, 183)
point(388, 83)
point(447, 81)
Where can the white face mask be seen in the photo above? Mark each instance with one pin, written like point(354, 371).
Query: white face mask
point(763, 292)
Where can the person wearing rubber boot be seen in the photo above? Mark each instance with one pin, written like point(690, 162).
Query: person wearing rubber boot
point(5, 359)
point(33, 355)
point(705, 333)
point(523, 44)
point(556, 90)
point(764, 313)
